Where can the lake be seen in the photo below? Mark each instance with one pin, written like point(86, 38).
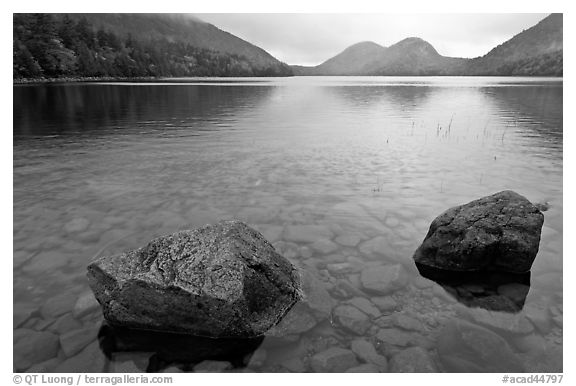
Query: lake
point(365, 162)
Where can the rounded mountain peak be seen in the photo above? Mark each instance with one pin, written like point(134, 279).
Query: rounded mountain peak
point(416, 44)
point(366, 46)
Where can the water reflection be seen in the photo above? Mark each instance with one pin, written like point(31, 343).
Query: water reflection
point(98, 109)
point(366, 163)
point(534, 113)
point(394, 97)
point(494, 291)
point(167, 349)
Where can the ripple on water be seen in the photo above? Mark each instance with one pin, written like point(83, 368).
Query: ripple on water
point(348, 203)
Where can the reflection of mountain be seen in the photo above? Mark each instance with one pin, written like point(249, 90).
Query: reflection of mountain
point(541, 104)
point(399, 97)
point(76, 108)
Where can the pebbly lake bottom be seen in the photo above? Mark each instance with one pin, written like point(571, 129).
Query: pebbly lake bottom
point(343, 176)
point(410, 324)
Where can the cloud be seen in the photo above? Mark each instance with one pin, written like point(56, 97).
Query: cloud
point(310, 39)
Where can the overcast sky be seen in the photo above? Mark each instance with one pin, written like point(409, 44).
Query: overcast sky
point(310, 39)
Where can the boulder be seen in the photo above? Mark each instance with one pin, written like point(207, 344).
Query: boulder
point(500, 232)
point(221, 280)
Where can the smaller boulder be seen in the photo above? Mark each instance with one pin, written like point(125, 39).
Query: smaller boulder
point(500, 232)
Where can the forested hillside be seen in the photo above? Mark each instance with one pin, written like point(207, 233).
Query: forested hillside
point(52, 46)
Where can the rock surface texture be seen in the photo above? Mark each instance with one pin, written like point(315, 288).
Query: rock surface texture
point(221, 280)
point(500, 232)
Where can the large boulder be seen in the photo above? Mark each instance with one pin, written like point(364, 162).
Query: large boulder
point(221, 280)
point(500, 232)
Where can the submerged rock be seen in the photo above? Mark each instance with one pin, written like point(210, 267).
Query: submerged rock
point(222, 280)
point(315, 295)
point(384, 279)
point(499, 321)
point(467, 348)
point(412, 360)
point(298, 320)
point(500, 232)
point(85, 305)
point(212, 367)
point(32, 347)
point(58, 305)
point(333, 360)
point(306, 233)
point(74, 341)
point(365, 306)
point(364, 368)
point(407, 322)
point(385, 304)
point(21, 313)
point(351, 319)
point(90, 360)
point(366, 351)
point(78, 224)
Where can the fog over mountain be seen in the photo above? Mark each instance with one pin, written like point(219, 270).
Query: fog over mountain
point(177, 45)
point(535, 51)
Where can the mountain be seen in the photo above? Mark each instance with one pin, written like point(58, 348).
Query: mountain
point(411, 56)
point(535, 51)
point(414, 56)
point(132, 45)
point(351, 61)
point(180, 28)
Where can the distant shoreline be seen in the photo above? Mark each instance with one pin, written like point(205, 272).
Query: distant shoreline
point(89, 79)
point(73, 79)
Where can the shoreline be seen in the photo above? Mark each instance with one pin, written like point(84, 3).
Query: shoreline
point(94, 79)
point(83, 79)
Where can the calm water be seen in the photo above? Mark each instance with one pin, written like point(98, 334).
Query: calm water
point(368, 162)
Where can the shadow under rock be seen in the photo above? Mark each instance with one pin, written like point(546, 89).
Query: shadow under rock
point(169, 348)
point(495, 291)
